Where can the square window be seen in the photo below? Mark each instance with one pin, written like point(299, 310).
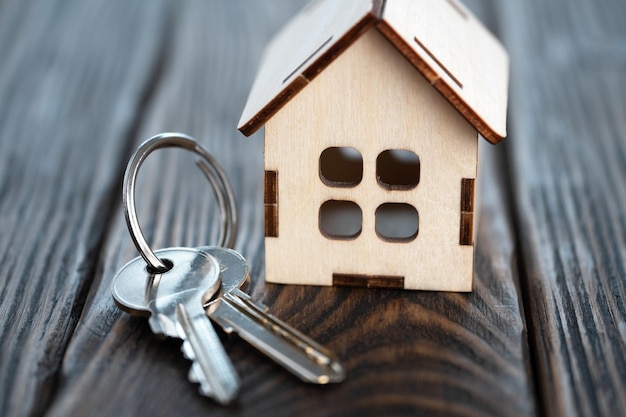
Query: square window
point(398, 169)
point(341, 167)
point(341, 220)
point(397, 222)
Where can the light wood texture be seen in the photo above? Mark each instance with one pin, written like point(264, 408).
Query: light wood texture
point(444, 41)
point(457, 54)
point(399, 111)
point(313, 39)
point(441, 51)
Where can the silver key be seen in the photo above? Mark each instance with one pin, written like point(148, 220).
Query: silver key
point(174, 302)
point(235, 311)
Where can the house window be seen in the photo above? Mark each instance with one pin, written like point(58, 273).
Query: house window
point(340, 219)
point(398, 169)
point(397, 222)
point(341, 167)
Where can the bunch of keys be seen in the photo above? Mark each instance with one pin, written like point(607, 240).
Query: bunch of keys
point(184, 290)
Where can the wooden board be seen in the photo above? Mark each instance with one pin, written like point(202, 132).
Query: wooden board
point(568, 152)
point(68, 351)
point(71, 101)
point(77, 96)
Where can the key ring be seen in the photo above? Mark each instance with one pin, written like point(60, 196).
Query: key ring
point(211, 170)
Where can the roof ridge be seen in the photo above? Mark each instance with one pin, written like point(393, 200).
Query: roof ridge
point(442, 40)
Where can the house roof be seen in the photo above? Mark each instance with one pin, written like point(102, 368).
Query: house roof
point(441, 38)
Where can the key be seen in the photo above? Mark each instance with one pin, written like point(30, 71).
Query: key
point(235, 311)
point(173, 301)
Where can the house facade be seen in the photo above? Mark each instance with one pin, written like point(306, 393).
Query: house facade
point(370, 168)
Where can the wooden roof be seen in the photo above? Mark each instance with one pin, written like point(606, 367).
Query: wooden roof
point(441, 38)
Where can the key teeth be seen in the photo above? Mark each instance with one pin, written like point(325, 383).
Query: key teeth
point(161, 325)
point(188, 351)
point(193, 376)
point(155, 325)
point(204, 390)
point(196, 376)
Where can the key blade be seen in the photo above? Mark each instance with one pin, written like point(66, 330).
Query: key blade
point(297, 353)
point(212, 367)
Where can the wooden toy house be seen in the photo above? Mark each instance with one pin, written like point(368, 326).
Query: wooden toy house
point(373, 111)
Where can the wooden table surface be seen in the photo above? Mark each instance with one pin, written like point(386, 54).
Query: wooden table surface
point(83, 82)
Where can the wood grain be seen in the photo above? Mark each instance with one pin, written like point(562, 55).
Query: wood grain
point(372, 100)
point(368, 281)
point(301, 50)
point(467, 211)
point(568, 153)
point(271, 203)
point(426, 353)
point(71, 98)
point(443, 40)
point(83, 82)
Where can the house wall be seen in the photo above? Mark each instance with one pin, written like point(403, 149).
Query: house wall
point(370, 98)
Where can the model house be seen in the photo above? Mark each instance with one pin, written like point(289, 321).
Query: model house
point(373, 111)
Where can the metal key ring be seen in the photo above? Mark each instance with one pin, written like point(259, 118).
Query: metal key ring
point(211, 170)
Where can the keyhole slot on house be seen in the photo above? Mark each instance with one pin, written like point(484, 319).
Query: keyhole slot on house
point(340, 220)
point(397, 222)
point(398, 169)
point(341, 167)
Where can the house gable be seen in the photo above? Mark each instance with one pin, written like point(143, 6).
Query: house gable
point(301, 50)
point(442, 39)
point(457, 55)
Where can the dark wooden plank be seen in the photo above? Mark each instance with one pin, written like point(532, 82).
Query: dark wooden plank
point(568, 148)
point(406, 353)
point(70, 96)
